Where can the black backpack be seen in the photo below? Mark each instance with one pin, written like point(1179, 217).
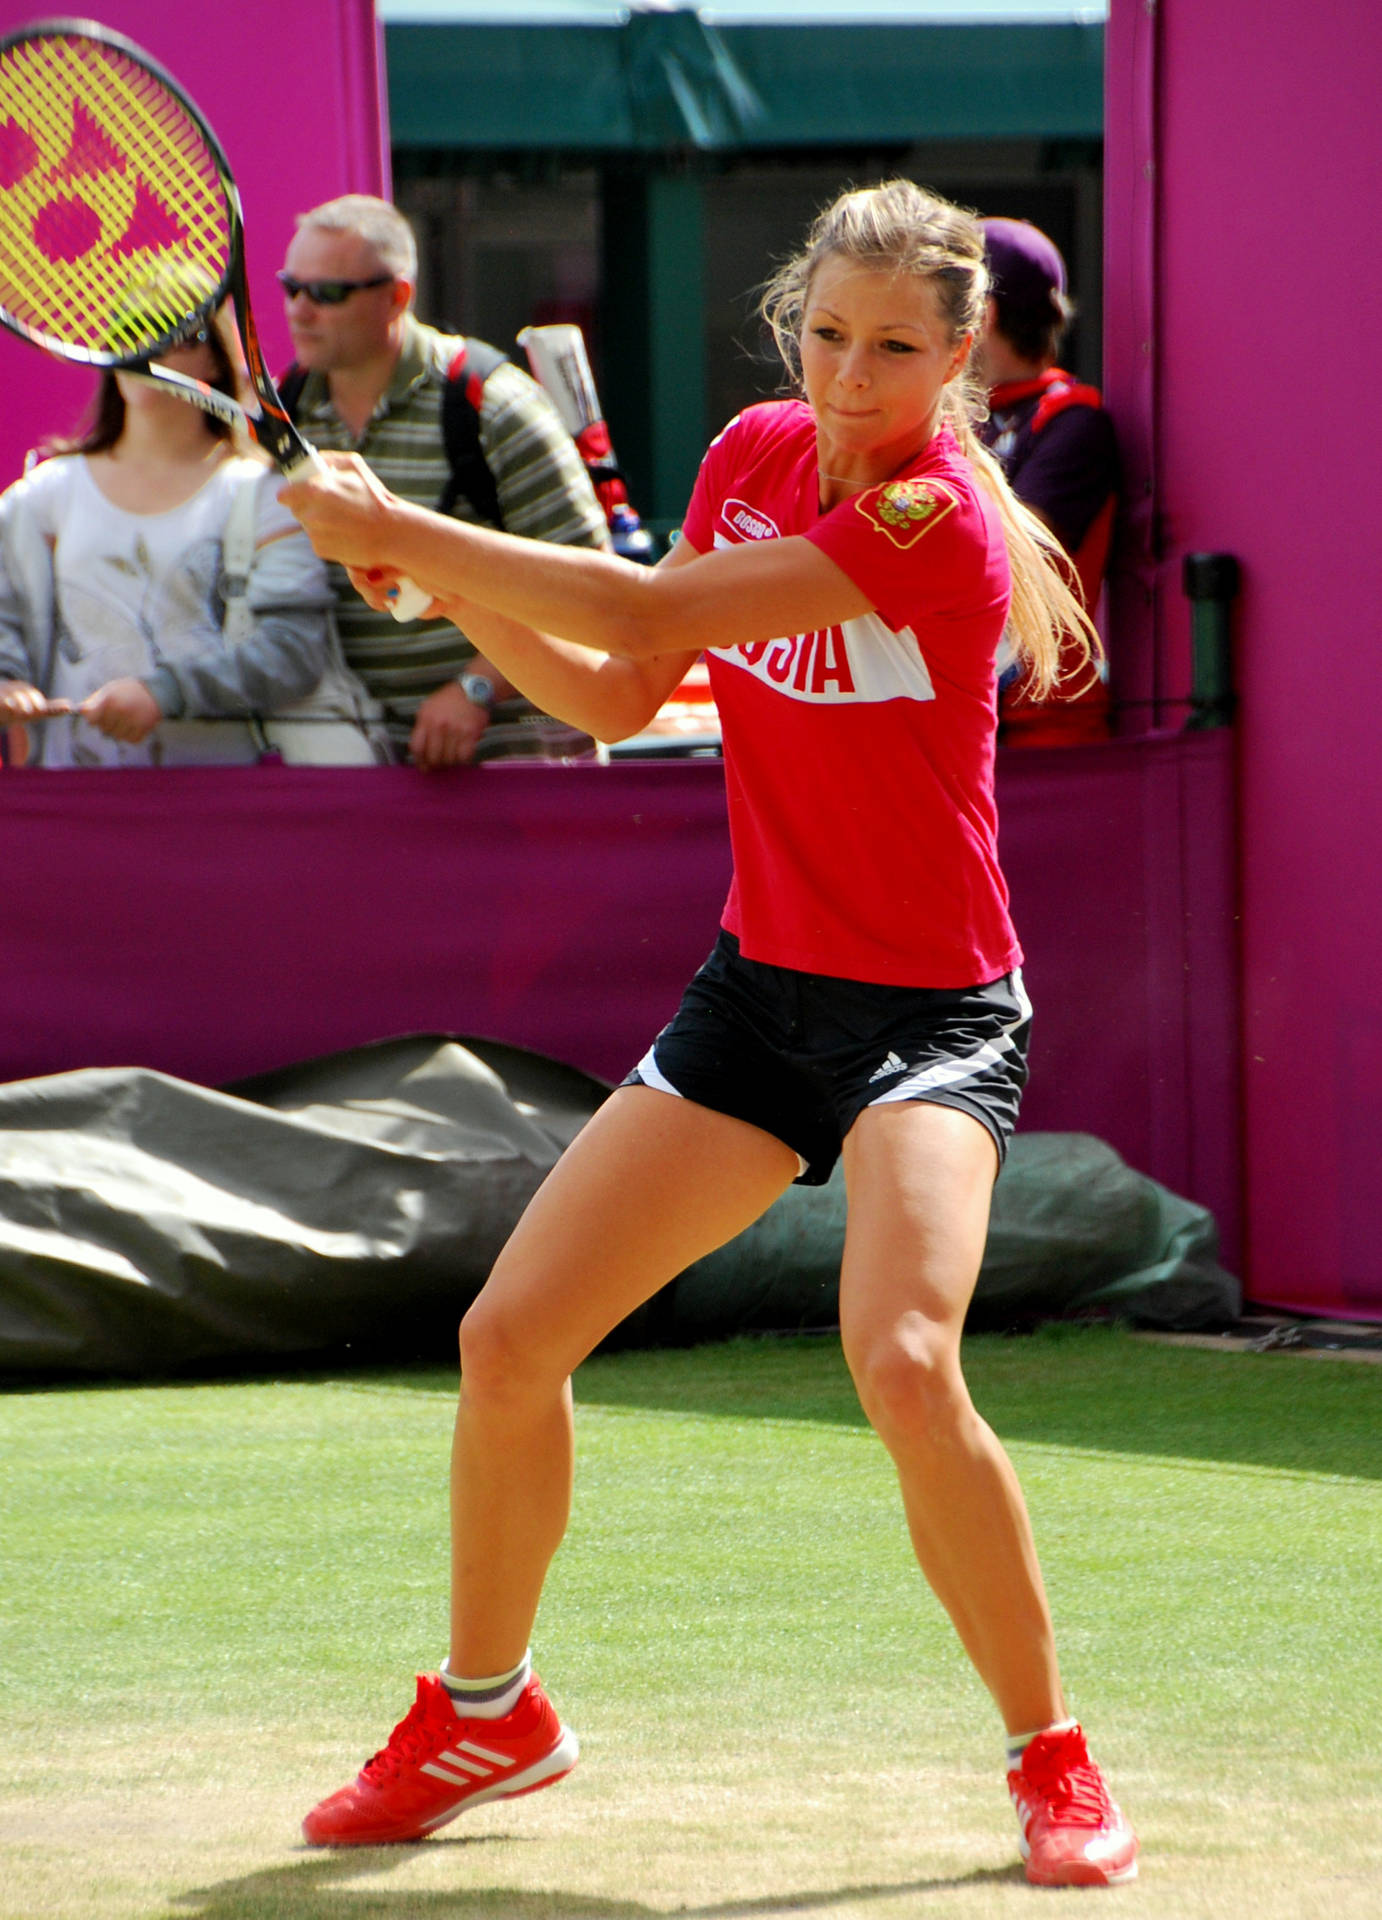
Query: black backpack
point(471, 479)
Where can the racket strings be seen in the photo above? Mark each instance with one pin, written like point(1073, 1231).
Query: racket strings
point(115, 221)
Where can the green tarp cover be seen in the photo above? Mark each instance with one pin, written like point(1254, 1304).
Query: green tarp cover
point(352, 1206)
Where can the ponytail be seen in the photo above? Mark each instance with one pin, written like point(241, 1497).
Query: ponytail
point(1047, 611)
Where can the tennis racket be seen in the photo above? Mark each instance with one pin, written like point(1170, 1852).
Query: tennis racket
point(120, 225)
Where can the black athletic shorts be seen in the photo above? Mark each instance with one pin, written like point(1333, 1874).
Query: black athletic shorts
point(802, 1054)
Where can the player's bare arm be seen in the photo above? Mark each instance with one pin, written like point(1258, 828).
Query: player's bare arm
point(599, 693)
point(727, 598)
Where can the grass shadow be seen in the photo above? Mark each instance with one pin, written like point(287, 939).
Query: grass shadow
point(318, 1889)
point(1095, 1387)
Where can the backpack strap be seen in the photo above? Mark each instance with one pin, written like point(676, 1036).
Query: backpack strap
point(237, 559)
point(471, 479)
point(1060, 393)
point(290, 389)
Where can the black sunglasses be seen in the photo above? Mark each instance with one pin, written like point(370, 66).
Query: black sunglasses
point(329, 293)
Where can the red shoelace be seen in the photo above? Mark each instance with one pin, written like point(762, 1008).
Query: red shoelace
point(406, 1744)
point(1070, 1783)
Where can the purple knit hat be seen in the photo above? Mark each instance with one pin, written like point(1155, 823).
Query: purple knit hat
point(1026, 267)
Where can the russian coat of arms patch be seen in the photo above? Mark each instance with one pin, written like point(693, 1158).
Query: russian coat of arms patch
point(906, 509)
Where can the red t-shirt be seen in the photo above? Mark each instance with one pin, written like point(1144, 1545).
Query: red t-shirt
point(859, 758)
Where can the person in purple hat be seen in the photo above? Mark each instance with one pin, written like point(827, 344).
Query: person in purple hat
point(1055, 442)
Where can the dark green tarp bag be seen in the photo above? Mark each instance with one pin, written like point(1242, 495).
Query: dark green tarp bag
point(352, 1207)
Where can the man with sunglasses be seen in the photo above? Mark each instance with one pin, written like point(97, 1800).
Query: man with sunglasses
point(375, 380)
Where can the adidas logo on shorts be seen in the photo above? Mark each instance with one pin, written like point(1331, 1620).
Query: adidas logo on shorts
point(891, 1065)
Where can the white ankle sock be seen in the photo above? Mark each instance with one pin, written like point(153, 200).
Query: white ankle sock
point(1018, 1743)
point(489, 1698)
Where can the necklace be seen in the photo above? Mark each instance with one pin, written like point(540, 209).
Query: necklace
point(840, 480)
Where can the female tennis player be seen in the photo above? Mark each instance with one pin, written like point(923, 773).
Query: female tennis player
point(849, 560)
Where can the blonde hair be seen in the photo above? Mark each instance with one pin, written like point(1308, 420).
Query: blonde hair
point(901, 227)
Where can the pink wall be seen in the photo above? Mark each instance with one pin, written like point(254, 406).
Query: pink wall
point(334, 140)
point(1243, 286)
point(1264, 319)
point(267, 914)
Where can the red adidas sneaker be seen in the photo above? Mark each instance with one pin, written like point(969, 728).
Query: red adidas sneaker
point(1073, 1834)
point(436, 1765)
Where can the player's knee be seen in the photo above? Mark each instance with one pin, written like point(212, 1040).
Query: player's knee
point(910, 1386)
point(496, 1357)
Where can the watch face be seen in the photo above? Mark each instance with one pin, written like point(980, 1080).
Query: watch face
point(478, 690)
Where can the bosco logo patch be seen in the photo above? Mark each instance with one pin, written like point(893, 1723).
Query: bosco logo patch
point(906, 509)
point(749, 523)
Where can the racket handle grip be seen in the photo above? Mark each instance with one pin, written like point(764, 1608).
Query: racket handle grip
point(301, 465)
point(408, 601)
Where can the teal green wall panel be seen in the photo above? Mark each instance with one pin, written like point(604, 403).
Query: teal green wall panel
point(871, 84)
point(653, 323)
point(487, 87)
point(665, 81)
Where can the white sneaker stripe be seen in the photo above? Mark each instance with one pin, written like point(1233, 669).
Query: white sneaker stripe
point(481, 1753)
point(453, 1779)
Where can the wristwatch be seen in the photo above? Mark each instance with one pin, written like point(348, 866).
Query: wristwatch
point(479, 689)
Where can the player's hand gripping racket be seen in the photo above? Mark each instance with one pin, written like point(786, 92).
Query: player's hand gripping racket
point(120, 225)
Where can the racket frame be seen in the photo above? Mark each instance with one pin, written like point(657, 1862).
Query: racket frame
point(267, 420)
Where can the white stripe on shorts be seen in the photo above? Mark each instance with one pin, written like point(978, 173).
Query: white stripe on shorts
point(652, 1075)
point(955, 1070)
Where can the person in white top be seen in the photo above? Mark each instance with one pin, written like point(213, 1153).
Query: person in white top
point(115, 644)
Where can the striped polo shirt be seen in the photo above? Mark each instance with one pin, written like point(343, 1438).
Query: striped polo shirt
point(544, 490)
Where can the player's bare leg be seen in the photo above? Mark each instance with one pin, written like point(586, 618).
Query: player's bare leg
point(651, 1185)
point(920, 1179)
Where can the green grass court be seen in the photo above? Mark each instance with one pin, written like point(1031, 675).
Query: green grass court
point(213, 1598)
